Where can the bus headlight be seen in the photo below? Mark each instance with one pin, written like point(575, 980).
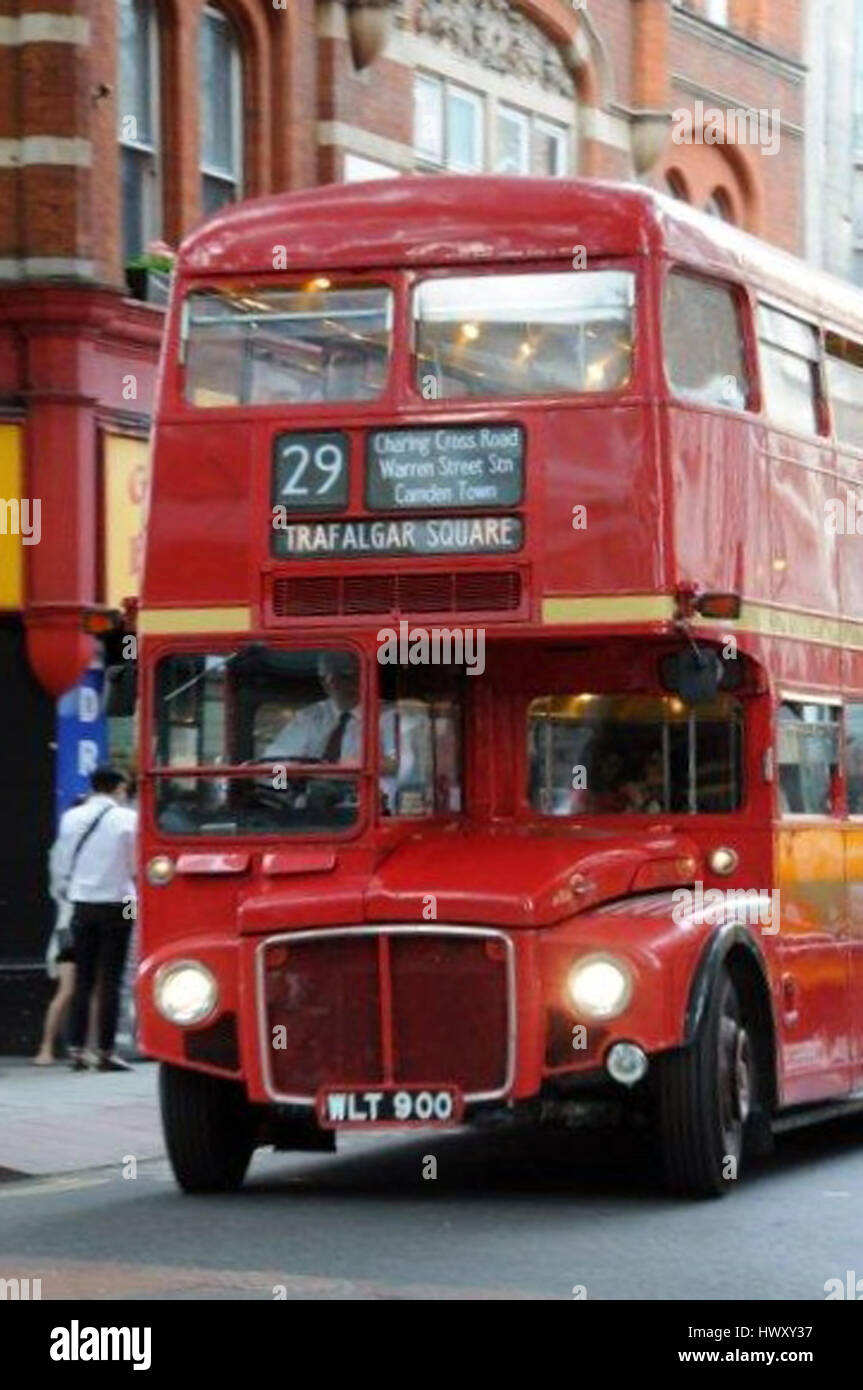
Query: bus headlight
point(599, 987)
point(185, 992)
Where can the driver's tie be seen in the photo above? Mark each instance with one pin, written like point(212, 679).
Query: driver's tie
point(333, 746)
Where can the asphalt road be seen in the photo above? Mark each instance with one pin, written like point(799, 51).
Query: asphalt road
point(509, 1215)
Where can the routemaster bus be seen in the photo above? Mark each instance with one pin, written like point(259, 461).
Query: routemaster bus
point(501, 676)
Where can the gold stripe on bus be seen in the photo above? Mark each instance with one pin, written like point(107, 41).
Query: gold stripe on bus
point(759, 618)
point(188, 622)
point(610, 609)
point(798, 627)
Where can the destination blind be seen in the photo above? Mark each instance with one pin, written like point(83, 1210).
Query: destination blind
point(445, 468)
point(451, 535)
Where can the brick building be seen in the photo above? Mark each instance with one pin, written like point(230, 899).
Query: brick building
point(123, 122)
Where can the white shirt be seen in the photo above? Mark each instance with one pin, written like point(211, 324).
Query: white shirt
point(307, 734)
point(105, 868)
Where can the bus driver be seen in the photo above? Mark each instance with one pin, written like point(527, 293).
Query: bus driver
point(329, 730)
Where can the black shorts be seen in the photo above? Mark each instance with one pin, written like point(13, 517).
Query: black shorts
point(66, 956)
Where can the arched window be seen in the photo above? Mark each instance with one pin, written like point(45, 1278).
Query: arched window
point(719, 205)
point(221, 112)
point(138, 123)
point(675, 186)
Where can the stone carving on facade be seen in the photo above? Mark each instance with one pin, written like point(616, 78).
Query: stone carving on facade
point(497, 35)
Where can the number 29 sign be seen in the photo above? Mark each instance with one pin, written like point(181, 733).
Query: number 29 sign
point(310, 472)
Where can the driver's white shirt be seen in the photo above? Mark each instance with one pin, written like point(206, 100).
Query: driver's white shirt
point(307, 734)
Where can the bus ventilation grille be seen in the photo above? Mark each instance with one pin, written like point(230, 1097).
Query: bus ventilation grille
point(434, 592)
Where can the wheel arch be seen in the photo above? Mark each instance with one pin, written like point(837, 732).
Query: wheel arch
point(733, 948)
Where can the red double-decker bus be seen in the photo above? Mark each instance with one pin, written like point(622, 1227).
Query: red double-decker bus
point(501, 675)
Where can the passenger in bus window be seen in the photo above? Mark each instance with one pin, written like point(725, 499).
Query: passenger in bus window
point(644, 793)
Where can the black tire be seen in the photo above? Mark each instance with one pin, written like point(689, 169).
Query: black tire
point(705, 1094)
point(209, 1129)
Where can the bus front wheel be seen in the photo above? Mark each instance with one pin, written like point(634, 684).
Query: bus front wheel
point(705, 1098)
point(209, 1129)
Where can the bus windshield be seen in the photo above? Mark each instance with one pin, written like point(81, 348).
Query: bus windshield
point(260, 346)
point(524, 335)
point(617, 754)
point(301, 714)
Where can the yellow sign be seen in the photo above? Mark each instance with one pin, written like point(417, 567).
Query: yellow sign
point(17, 517)
point(127, 481)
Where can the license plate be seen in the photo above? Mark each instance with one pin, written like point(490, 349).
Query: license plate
point(402, 1105)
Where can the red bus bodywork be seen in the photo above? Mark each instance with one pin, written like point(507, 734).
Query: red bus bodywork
point(681, 499)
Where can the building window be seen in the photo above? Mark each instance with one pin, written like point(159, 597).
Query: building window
point(716, 11)
point(675, 185)
point(138, 120)
point(464, 131)
point(550, 149)
point(450, 125)
point(719, 205)
point(858, 81)
point(221, 124)
point(428, 119)
point(513, 142)
point(789, 367)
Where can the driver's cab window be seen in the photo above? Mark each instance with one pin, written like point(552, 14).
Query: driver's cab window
point(420, 742)
point(298, 711)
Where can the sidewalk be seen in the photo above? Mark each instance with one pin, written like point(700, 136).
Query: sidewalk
point(53, 1120)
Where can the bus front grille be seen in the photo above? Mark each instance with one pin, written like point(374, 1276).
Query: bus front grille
point(435, 591)
point(393, 1006)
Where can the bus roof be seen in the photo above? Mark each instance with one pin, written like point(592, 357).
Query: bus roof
point(428, 220)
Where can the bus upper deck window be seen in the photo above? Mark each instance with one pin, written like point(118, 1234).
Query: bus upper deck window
point(704, 352)
point(789, 351)
point(260, 346)
point(545, 334)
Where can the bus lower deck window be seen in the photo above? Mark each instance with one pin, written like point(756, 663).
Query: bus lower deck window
point(647, 755)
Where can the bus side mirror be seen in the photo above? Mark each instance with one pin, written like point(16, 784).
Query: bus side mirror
point(695, 674)
point(121, 690)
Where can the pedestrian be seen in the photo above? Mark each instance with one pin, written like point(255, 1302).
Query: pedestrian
point(94, 863)
point(60, 965)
